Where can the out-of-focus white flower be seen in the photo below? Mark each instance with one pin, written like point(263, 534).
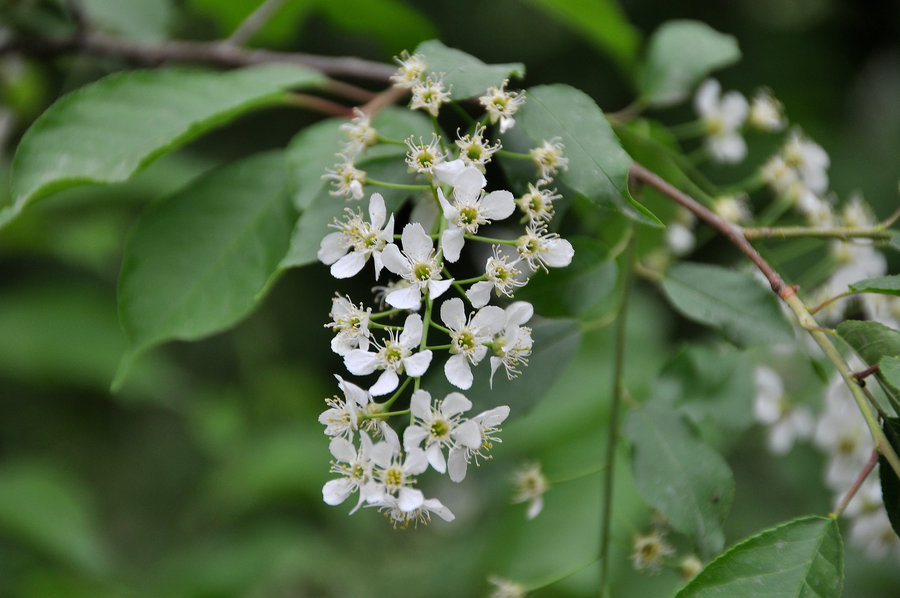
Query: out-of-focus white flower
point(412, 69)
point(680, 239)
point(649, 551)
point(360, 132)
point(423, 157)
point(766, 112)
point(842, 434)
point(418, 265)
point(549, 159)
point(468, 338)
point(502, 277)
point(501, 105)
point(429, 95)
point(733, 209)
point(785, 423)
point(530, 487)
point(722, 116)
point(348, 249)
point(396, 356)
point(505, 588)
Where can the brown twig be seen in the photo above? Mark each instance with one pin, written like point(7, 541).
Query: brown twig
point(861, 376)
point(870, 465)
point(213, 53)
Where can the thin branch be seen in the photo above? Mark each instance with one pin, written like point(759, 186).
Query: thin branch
point(255, 21)
point(213, 53)
point(838, 232)
point(870, 465)
point(302, 100)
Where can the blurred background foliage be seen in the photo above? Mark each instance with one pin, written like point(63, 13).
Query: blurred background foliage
point(203, 476)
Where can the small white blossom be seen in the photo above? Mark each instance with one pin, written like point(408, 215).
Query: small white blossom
point(544, 250)
point(351, 323)
point(722, 116)
point(342, 416)
point(423, 157)
point(842, 434)
point(360, 132)
point(502, 277)
point(355, 468)
point(470, 209)
point(468, 338)
point(512, 346)
point(347, 250)
point(412, 68)
point(397, 355)
point(735, 210)
point(549, 159)
point(501, 105)
point(530, 487)
point(537, 203)
point(474, 150)
point(766, 112)
point(347, 179)
point(649, 551)
point(488, 423)
point(439, 427)
point(393, 473)
point(809, 161)
point(786, 423)
point(680, 238)
point(429, 95)
point(857, 214)
point(421, 514)
point(418, 265)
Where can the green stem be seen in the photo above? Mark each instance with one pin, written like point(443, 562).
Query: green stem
point(490, 240)
point(384, 314)
point(383, 414)
point(387, 404)
point(471, 280)
point(828, 302)
point(384, 326)
point(514, 155)
point(401, 186)
point(689, 130)
point(618, 391)
point(390, 141)
point(439, 348)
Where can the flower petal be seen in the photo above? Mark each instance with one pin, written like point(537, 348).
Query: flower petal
point(349, 265)
point(416, 243)
point(489, 320)
point(458, 372)
point(387, 381)
point(410, 499)
point(417, 364)
point(393, 260)
point(498, 205)
point(405, 298)
point(468, 434)
point(453, 403)
point(377, 211)
point(457, 464)
point(334, 492)
point(412, 331)
point(331, 249)
point(453, 313)
point(559, 253)
point(436, 288)
point(480, 293)
point(452, 242)
point(360, 363)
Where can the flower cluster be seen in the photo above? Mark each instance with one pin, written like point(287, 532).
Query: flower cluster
point(387, 430)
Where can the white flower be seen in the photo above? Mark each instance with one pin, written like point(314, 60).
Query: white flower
point(512, 346)
point(355, 468)
point(393, 475)
point(347, 179)
point(722, 117)
point(360, 132)
point(421, 514)
point(412, 68)
point(786, 423)
point(857, 213)
point(502, 105)
point(842, 434)
point(733, 209)
point(870, 528)
point(649, 551)
point(351, 323)
point(766, 112)
point(468, 338)
point(544, 250)
point(530, 487)
point(418, 265)
point(342, 418)
point(429, 95)
point(549, 159)
point(347, 250)
point(395, 357)
point(470, 209)
point(502, 277)
point(474, 150)
point(537, 203)
point(423, 157)
point(488, 423)
point(442, 427)
point(680, 238)
point(809, 161)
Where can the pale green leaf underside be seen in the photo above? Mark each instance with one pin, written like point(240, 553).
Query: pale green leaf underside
point(679, 475)
point(196, 261)
point(468, 75)
point(871, 340)
point(800, 559)
point(885, 285)
point(679, 55)
point(598, 166)
point(107, 131)
point(733, 302)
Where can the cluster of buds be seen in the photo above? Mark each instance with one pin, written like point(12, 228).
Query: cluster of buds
point(384, 435)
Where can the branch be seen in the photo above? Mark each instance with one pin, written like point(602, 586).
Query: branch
point(254, 22)
point(838, 232)
point(214, 53)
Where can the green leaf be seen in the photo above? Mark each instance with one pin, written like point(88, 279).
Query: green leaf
point(679, 55)
point(107, 131)
point(601, 22)
point(394, 23)
point(134, 19)
point(680, 476)
point(871, 340)
point(890, 483)
point(598, 166)
point(574, 290)
point(196, 261)
point(889, 374)
point(469, 76)
point(733, 302)
point(885, 285)
point(50, 512)
point(802, 558)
